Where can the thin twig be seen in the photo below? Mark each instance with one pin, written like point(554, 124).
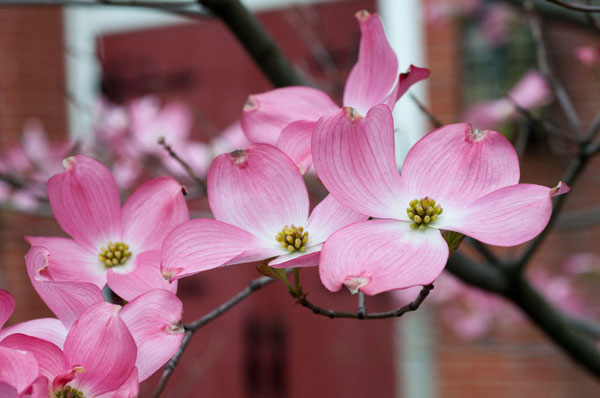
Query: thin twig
point(574, 6)
point(413, 306)
point(362, 307)
point(192, 327)
point(188, 169)
point(543, 62)
point(432, 119)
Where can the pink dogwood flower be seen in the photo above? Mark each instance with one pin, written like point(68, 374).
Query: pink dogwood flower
point(261, 210)
point(456, 178)
point(285, 117)
point(532, 91)
point(153, 318)
point(110, 244)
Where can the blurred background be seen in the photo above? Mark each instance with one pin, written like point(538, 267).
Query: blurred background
point(110, 80)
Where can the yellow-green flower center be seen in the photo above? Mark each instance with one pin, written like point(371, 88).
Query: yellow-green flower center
point(292, 238)
point(114, 254)
point(68, 392)
point(423, 212)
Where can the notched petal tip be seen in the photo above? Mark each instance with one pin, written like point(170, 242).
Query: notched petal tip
point(69, 163)
point(352, 114)
point(475, 135)
point(559, 189)
point(354, 283)
point(251, 104)
point(239, 157)
point(362, 15)
point(175, 328)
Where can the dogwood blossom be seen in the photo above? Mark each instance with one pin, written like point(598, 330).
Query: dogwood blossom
point(456, 178)
point(261, 210)
point(285, 117)
point(110, 244)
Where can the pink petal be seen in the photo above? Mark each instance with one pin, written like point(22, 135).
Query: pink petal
point(85, 201)
point(265, 115)
point(413, 75)
point(129, 389)
point(380, 255)
point(18, 368)
point(48, 356)
point(295, 142)
point(309, 258)
point(7, 306)
point(154, 320)
point(37, 389)
point(100, 342)
point(144, 276)
point(202, 244)
point(375, 73)
point(8, 391)
point(506, 217)
point(259, 190)
point(66, 299)
point(151, 212)
point(354, 158)
point(329, 216)
point(457, 164)
point(49, 329)
point(69, 261)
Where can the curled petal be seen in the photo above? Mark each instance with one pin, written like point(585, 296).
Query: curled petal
point(49, 329)
point(294, 141)
point(329, 216)
point(354, 158)
point(69, 261)
point(48, 356)
point(265, 115)
point(375, 73)
point(458, 164)
point(154, 320)
point(152, 211)
point(85, 201)
point(380, 255)
point(18, 368)
point(66, 299)
point(202, 244)
point(144, 276)
point(413, 75)
point(7, 306)
point(100, 343)
point(506, 217)
point(258, 189)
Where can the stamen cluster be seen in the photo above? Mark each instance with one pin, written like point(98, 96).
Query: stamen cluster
point(292, 238)
point(423, 212)
point(68, 392)
point(114, 254)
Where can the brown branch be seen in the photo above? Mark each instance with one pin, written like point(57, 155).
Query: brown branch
point(188, 169)
point(192, 327)
point(575, 6)
point(432, 119)
point(362, 312)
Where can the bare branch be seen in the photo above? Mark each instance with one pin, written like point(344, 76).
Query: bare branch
point(362, 312)
point(543, 62)
point(188, 169)
point(432, 119)
point(575, 6)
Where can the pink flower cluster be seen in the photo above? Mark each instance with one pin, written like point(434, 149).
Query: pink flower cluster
point(377, 230)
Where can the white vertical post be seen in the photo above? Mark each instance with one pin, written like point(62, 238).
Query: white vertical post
point(405, 30)
point(414, 345)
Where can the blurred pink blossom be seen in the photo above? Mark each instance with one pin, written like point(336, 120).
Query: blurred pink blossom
point(532, 91)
